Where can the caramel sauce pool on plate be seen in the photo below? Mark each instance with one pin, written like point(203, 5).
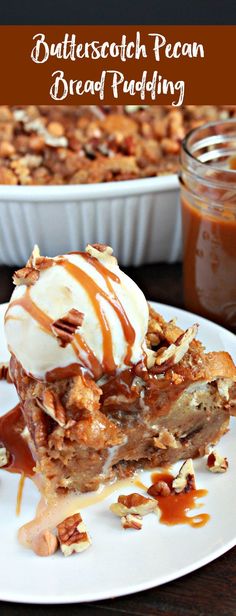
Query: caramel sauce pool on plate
point(174, 508)
point(11, 426)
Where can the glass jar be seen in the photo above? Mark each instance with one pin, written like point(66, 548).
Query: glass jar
point(208, 204)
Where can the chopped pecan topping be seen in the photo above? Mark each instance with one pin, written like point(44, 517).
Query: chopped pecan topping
point(56, 129)
point(65, 327)
point(40, 427)
point(4, 456)
point(72, 535)
point(51, 404)
point(155, 333)
point(133, 503)
point(93, 249)
point(185, 480)
point(26, 275)
point(29, 274)
point(43, 263)
point(217, 463)
point(132, 520)
point(33, 257)
point(37, 262)
point(102, 248)
point(165, 439)
point(159, 488)
point(169, 356)
point(90, 145)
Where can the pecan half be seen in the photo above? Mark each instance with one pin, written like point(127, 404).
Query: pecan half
point(26, 275)
point(185, 480)
point(37, 262)
point(217, 463)
point(159, 488)
point(72, 535)
point(168, 357)
point(132, 520)
point(40, 424)
point(65, 327)
point(51, 404)
point(133, 503)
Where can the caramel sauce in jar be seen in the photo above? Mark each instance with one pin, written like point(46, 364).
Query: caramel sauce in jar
point(208, 203)
point(175, 507)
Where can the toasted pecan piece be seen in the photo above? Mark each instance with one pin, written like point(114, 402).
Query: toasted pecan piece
point(33, 257)
point(25, 275)
point(73, 535)
point(217, 463)
point(165, 439)
point(134, 504)
point(185, 480)
point(99, 251)
point(171, 355)
point(100, 248)
point(51, 404)
point(132, 520)
point(65, 327)
point(40, 426)
point(159, 488)
point(37, 261)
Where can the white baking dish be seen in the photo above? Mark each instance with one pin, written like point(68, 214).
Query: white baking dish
point(140, 219)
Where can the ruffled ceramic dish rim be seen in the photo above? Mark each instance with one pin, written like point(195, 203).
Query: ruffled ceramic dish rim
point(103, 190)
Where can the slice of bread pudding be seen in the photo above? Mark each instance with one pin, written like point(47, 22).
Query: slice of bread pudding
point(106, 385)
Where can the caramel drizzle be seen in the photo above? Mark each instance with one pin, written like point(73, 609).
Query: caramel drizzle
point(92, 359)
point(20, 493)
point(95, 294)
point(128, 330)
point(35, 312)
point(45, 322)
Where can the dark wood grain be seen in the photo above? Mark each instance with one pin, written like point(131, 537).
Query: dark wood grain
point(210, 591)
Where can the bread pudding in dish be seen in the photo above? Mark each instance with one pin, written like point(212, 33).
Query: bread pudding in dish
point(64, 144)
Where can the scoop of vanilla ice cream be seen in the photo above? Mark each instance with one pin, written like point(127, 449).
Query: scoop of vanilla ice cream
point(56, 292)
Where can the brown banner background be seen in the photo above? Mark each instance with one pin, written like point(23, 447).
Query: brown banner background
point(208, 80)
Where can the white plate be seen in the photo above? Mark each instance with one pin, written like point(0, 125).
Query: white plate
point(119, 563)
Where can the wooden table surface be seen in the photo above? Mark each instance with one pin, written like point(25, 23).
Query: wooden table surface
point(210, 591)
